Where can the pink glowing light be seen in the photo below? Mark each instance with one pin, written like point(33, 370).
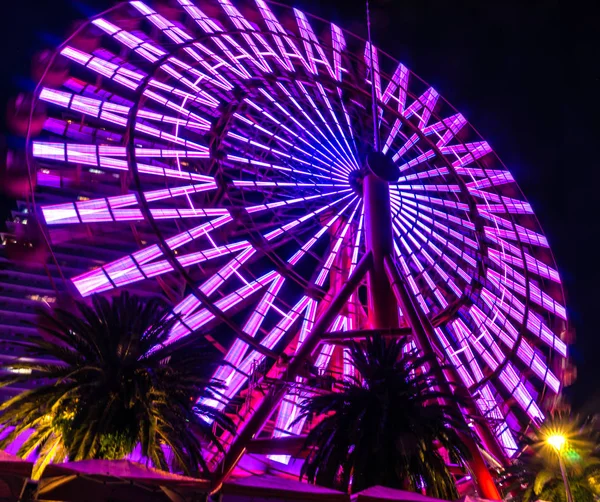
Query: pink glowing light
point(110, 209)
point(237, 351)
point(239, 378)
point(310, 43)
point(486, 403)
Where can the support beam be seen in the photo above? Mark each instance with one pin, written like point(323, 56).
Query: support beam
point(425, 339)
point(383, 310)
point(277, 392)
point(361, 334)
point(290, 445)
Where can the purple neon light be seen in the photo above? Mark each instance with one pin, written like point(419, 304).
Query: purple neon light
point(188, 305)
point(251, 36)
point(531, 264)
point(373, 77)
point(424, 104)
point(525, 352)
point(510, 377)
point(324, 164)
point(350, 161)
point(292, 224)
point(279, 153)
point(310, 41)
point(102, 157)
point(407, 216)
point(412, 246)
point(175, 33)
point(474, 151)
point(284, 425)
point(411, 280)
point(322, 361)
point(427, 101)
point(199, 95)
point(335, 249)
point(239, 378)
point(277, 168)
point(291, 202)
point(236, 353)
point(289, 409)
point(339, 45)
point(145, 49)
point(342, 155)
point(110, 209)
point(357, 241)
point(123, 76)
point(514, 308)
point(495, 180)
point(295, 258)
point(127, 273)
point(408, 213)
point(329, 159)
point(519, 285)
point(432, 173)
point(226, 43)
point(398, 83)
point(501, 204)
point(440, 215)
point(399, 229)
point(423, 273)
point(451, 127)
point(486, 402)
point(196, 321)
point(179, 36)
point(99, 280)
point(280, 35)
point(207, 24)
point(522, 234)
point(347, 148)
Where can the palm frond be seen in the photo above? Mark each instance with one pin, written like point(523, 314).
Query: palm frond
point(107, 389)
point(387, 427)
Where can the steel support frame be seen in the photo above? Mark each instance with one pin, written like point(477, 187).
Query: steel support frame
point(277, 392)
point(383, 309)
point(425, 339)
point(387, 291)
point(341, 337)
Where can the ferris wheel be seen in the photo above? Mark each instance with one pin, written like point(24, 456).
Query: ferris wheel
point(227, 157)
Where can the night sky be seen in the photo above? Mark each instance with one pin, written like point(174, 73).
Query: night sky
point(525, 73)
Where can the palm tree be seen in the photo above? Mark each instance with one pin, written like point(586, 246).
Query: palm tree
point(110, 386)
point(389, 427)
point(536, 475)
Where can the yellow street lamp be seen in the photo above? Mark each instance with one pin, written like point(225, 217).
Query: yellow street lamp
point(558, 443)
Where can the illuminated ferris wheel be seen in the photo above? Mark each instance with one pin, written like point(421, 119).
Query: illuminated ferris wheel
point(226, 156)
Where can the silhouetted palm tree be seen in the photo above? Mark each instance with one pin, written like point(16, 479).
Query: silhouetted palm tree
point(110, 386)
point(390, 427)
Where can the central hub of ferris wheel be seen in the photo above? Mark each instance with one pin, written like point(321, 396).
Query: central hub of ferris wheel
point(383, 166)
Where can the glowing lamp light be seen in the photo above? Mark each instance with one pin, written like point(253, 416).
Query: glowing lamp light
point(557, 441)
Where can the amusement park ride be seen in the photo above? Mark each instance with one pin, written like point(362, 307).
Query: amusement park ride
point(288, 187)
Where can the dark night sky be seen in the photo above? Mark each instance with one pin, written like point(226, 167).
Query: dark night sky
point(526, 73)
